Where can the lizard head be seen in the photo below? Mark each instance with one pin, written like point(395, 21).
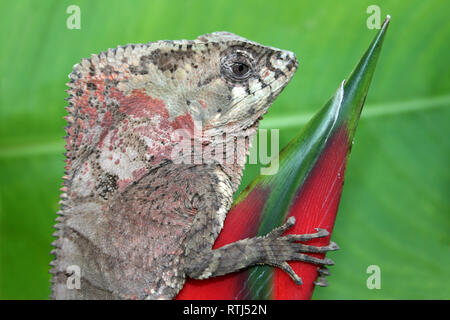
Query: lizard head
point(238, 80)
point(126, 103)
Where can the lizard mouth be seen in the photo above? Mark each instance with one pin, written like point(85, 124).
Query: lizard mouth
point(272, 97)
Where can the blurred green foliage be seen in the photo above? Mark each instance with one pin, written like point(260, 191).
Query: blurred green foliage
point(395, 209)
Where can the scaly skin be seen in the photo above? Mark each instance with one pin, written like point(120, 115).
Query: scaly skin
point(140, 212)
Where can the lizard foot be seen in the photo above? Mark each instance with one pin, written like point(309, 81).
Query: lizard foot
point(322, 281)
point(281, 249)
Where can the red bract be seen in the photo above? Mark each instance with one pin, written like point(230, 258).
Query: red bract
point(315, 206)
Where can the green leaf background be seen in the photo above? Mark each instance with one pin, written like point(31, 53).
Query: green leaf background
point(395, 210)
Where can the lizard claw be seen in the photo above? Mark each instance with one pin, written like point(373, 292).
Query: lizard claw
point(323, 271)
point(322, 232)
point(321, 282)
point(287, 268)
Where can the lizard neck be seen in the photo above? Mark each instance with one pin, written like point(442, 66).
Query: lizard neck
point(231, 150)
point(226, 147)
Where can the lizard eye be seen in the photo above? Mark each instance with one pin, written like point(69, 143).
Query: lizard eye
point(240, 69)
point(237, 65)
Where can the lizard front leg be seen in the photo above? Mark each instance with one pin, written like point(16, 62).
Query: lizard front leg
point(272, 249)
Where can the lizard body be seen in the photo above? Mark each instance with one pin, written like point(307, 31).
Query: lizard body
point(138, 213)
